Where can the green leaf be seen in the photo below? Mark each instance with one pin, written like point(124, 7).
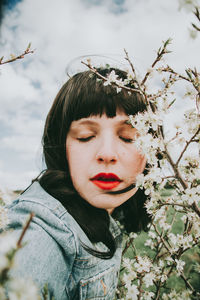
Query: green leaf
point(172, 103)
point(29, 46)
point(188, 74)
point(167, 42)
point(159, 50)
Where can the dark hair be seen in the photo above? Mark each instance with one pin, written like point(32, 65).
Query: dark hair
point(81, 96)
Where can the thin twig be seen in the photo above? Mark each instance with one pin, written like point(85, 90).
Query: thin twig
point(128, 244)
point(168, 177)
point(176, 171)
point(113, 83)
point(172, 223)
point(169, 158)
point(187, 283)
point(163, 241)
point(157, 291)
point(170, 70)
point(132, 67)
point(160, 54)
point(186, 146)
point(197, 14)
point(162, 92)
point(196, 208)
point(14, 58)
point(140, 287)
point(175, 204)
point(24, 230)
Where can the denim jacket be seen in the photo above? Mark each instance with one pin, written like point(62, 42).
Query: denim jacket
point(53, 253)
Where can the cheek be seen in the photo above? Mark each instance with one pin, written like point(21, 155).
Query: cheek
point(74, 169)
point(70, 155)
point(77, 163)
point(138, 162)
point(73, 162)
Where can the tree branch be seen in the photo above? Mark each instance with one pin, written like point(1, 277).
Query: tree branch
point(106, 79)
point(160, 53)
point(14, 58)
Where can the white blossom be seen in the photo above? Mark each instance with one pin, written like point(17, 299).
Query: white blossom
point(133, 235)
point(187, 242)
point(7, 243)
point(179, 265)
point(132, 292)
point(197, 267)
point(149, 243)
point(140, 179)
point(130, 76)
point(163, 277)
point(148, 279)
point(169, 260)
point(196, 228)
point(148, 295)
point(6, 195)
point(3, 217)
point(152, 234)
point(173, 216)
point(186, 295)
point(178, 240)
point(127, 263)
point(112, 77)
point(188, 5)
point(118, 89)
point(128, 277)
point(143, 264)
point(191, 120)
point(2, 293)
point(193, 34)
point(189, 196)
point(4, 263)
point(163, 223)
point(21, 289)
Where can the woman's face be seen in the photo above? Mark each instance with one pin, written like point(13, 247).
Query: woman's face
point(102, 157)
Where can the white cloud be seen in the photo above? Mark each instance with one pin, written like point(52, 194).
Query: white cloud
point(62, 30)
point(16, 180)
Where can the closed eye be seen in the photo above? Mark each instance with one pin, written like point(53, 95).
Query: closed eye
point(126, 140)
point(86, 139)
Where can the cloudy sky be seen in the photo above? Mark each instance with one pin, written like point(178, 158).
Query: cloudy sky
point(61, 31)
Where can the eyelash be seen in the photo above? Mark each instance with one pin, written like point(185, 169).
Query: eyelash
point(126, 140)
point(87, 139)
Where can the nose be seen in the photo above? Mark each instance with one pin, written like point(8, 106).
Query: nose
point(107, 152)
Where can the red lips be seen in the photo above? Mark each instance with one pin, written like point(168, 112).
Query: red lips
point(106, 181)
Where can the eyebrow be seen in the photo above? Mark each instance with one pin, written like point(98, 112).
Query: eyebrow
point(91, 122)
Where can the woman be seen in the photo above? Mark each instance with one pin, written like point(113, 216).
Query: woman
point(73, 243)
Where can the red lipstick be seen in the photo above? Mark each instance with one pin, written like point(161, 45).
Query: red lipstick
point(106, 181)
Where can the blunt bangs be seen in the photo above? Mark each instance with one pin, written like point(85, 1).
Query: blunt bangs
point(87, 96)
